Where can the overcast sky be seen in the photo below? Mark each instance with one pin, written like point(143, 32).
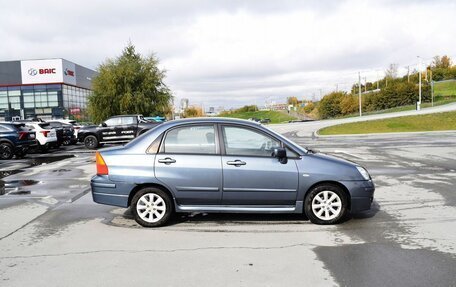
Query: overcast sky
point(230, 53)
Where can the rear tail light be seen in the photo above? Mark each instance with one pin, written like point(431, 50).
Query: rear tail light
point(45, 133)
point(23, 135)
point(102, 168)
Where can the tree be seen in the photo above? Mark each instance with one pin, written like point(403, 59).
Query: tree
point(129, 84)
point(391, 71)
point(330, 105)
point(443, 62)
point(193, 112)
point(292, 101)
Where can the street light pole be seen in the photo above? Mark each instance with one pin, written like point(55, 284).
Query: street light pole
point(359, 93)
point(418, 106)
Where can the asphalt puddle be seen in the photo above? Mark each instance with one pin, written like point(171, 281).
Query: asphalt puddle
point(21, 187)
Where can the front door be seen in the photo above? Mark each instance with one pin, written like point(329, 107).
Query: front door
point(251, 176)
point(189, 164)
point(108, 132)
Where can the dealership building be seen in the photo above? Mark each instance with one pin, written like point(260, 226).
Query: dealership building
point(47, 88)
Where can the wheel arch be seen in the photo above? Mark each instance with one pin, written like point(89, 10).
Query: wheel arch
point(138, 187)
point(5, 140)
point(90, 134)
point(330, 182)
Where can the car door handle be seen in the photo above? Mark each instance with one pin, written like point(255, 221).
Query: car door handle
point(167, 160)
point(236, 162)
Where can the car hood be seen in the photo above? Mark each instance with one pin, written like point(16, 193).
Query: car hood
point(334, 159)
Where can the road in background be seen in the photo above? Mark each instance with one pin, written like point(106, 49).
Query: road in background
point(308, 128)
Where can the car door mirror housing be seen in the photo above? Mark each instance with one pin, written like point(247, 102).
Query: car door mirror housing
point(281, 154)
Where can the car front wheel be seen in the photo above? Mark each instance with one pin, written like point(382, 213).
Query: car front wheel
point(91, 142)
point(326, 204)
point(151, 207)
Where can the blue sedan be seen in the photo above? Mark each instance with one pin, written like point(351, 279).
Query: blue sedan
point(226, 165)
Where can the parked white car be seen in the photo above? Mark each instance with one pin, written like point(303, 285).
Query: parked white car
point(45, 136)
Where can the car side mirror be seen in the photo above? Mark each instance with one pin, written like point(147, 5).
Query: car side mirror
point(281, 154)
point(104, 125)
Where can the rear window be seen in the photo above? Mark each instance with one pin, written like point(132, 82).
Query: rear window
point(44, 125)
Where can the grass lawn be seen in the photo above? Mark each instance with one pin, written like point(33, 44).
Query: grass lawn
point(274, 116)
point(447, 88)
point(418, 123)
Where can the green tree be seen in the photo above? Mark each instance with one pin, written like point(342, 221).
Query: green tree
point(129, 84)
point(292, 101)
point(330, 105)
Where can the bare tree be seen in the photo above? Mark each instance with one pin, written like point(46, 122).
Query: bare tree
point(391, 71)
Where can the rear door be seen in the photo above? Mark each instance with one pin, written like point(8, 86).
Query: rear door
point(251, 176)
point(127, 129)
point(189, 164)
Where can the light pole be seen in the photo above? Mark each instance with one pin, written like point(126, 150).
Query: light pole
point(359, 93)
point(418, 105)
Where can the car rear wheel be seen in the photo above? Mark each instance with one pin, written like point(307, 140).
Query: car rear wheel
point(91, 142)
point(326, 204)
point(151, 207)
point(6, 151)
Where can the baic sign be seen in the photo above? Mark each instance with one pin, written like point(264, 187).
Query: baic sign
point(34, 72)
point(68, 72)
point(48, 71)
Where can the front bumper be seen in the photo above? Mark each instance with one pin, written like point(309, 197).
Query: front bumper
point(361, 194)
point(105, 191)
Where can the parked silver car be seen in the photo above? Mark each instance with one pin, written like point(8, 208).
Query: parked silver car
point(226, 165)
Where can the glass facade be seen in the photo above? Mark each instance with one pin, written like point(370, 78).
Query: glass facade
point(45, 101)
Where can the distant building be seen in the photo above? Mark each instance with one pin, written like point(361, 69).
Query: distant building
point(47, 88)
point(184, 104)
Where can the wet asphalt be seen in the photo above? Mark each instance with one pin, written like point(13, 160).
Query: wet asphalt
point(52, 231)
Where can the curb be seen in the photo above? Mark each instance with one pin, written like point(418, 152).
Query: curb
point(79, 195)
point(317, 135)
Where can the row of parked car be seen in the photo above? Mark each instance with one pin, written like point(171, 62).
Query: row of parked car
point(19, 137)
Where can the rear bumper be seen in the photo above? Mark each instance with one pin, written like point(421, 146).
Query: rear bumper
point(105, 191)
point(361, 194)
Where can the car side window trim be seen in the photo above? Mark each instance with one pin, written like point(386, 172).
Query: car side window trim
point(162, 150)
point(223, 147)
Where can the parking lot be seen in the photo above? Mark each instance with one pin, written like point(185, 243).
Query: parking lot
point(52, 234)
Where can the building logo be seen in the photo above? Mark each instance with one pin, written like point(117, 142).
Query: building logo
point(32, 72)
point(68, 72)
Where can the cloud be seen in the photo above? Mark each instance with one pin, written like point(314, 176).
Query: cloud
point(236, 52)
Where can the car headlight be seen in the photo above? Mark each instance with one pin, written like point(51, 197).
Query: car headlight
point(363, 172)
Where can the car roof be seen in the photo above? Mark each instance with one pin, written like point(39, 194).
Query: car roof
point(213, 120)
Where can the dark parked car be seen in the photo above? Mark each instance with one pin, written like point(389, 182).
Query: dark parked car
point(117, 129)
point(227, 165)
point(65, 132)
point(15, 139)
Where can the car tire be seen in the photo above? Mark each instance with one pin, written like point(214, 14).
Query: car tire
point(91, 142)
point(326, 204)
point(6, 151)
point(151, 207)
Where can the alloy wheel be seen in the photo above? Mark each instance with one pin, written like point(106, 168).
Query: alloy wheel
point(151, 207)
point(326, 205)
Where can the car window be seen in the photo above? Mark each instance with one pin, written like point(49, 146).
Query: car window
point(128, 120)
point(243, 141)
point(55, 124)
point(191, 139)
point(112, 122)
